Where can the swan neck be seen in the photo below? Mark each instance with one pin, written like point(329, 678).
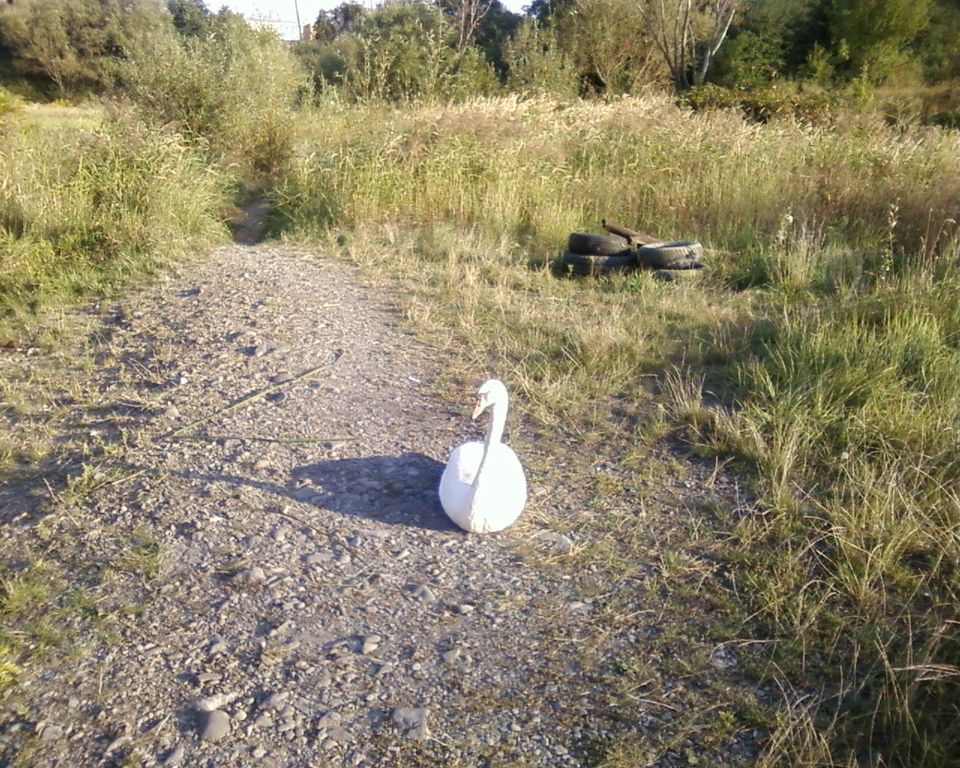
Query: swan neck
point(498, 419)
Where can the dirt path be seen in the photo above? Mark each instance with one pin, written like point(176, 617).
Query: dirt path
point(277, 585)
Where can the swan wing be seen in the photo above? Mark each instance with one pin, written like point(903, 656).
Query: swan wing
point(502, 493)
point(456, 493)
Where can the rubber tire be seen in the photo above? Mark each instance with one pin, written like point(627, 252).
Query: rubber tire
point(586, 264)
point(669, 255)
point(596, 245)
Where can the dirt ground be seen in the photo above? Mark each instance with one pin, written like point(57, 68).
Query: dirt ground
point(240, 556)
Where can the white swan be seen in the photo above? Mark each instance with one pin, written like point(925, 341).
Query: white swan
point(483, 488)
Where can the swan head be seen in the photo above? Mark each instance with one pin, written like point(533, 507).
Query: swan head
point(492, 392)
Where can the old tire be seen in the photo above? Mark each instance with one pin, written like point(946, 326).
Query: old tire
point(680, 255)
point(596, 245)
point(587, 264)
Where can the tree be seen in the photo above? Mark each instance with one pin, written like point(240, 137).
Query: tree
point(190, 17)
point(407, 49)
point(689, 33)
point(870, 36)
point(496, 28)
point(609, 43)
point(346, 17)
point(468, 15)
point(938, 46)
point(76, 43)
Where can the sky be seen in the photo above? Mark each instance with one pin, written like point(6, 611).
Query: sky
point(283, 13)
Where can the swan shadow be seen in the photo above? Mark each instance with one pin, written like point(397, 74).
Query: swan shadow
point(397, 490)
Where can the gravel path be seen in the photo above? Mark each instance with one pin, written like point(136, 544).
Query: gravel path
point(284, 589)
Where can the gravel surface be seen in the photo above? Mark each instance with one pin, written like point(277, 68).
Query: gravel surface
point(284, 588)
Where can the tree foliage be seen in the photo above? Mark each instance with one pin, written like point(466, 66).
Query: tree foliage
point(609, 42)
point(232, 90)
point(871, 36)
point(402, 50)
point(190, 17)
point(76, 44)
point(443, 49)
point(689, 34)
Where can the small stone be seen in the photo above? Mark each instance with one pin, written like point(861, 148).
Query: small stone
point(258, 752)
point(264, 721)
point(216, 725)
point(423, 592)
point(210, 703)
point(252, 575)
point(466, 609)
point(723, 657)
point(554, 541)
point(413, 722)
point(450, 656)
point(51, 732)
point(316, 558)
point(370, 644)
point(208, 677)
point(329, 720)
point(116, 744)
point(275, 700)
point(341, 735)
point(171, 412)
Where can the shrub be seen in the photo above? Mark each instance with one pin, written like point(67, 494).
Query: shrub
point(82, 212)
point(75, 44)
point(765, 104)
point(232, 92)
point(10, 104)
point(537, 65)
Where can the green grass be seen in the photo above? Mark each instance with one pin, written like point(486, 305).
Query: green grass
point(85, 209)
point(827, 340)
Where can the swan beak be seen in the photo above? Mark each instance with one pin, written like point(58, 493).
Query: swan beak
point(478, 408)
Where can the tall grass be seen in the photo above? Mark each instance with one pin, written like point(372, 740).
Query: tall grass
point(830, 330)
point(536, 169)
point(851, 413)
point(83, 211)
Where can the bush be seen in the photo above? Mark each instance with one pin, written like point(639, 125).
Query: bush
point(82, 212)
point(536, 64)
point(813, 106)
point(10, 104)
point(75, 44)
point(404, 51)
point(232, 92)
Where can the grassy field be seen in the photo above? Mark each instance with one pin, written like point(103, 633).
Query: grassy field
point(821, 354)
point(820, 357)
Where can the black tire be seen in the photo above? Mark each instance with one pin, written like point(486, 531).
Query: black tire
point(596, 245)
point(681, 255)
point(585, 264)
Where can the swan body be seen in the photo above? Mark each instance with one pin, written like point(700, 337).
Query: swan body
point(483, 488)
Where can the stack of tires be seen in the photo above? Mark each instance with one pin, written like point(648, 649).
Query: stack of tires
point(605, 254)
